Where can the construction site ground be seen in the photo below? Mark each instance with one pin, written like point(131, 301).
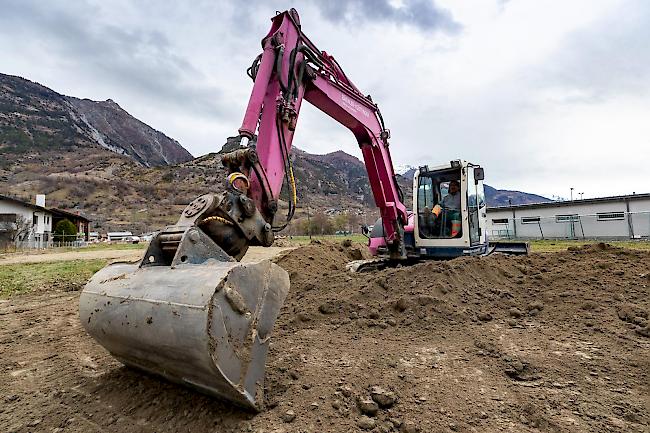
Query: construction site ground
point(552, 342)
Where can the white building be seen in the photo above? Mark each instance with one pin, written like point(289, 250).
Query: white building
point(118, 236)
point(31, 222)
point(618, 217)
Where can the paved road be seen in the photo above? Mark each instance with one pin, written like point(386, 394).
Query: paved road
point(254, 254)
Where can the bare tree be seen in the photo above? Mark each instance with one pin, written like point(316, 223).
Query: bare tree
point(13, 228)
point(23, 227)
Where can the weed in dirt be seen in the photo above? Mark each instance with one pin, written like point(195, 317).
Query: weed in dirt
point(67, 275)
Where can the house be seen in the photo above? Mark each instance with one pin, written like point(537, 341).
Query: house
point(32, 225)
point(616, 217)
point(80, 222)
point(25, 223)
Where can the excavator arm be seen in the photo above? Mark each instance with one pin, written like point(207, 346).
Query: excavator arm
point(189, 311)
point(289, 70)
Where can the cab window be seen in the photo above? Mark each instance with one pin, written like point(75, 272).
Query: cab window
point(438, 205)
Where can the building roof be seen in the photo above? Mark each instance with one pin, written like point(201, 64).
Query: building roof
point(587, 201)
point(24, 203)
point(66, 213)
point(53, 210)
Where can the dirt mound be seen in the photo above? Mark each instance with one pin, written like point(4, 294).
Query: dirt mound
point(474, 343)
point(548, 342)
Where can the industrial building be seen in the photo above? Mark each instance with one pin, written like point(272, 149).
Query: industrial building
point(617, 217)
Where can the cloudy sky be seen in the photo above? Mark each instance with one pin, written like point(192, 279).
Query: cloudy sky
point(547, 95)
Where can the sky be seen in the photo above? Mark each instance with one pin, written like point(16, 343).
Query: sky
point(546, 95)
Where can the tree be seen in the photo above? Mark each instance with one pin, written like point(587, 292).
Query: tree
point(23, 227)
point(13, 228)
point(65, 230)
point(321, 224)
point(341, 222)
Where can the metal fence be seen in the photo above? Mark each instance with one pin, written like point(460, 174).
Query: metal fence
point(606, 225)
point(37, 244)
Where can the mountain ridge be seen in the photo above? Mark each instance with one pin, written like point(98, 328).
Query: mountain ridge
point(33, 115)
point(94, 157)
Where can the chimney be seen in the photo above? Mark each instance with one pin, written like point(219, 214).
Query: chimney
point(40, 200)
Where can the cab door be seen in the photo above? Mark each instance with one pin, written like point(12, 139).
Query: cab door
point(476, 206)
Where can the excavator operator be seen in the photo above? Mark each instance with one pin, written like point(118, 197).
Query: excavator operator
point(451, 202)
point(444, 219)
point(451, 209)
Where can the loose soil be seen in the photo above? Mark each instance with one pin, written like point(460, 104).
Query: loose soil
point(555, 342)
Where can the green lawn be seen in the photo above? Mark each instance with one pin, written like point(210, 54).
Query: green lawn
point(106, 246)
point(547, 246)
point(67, 275)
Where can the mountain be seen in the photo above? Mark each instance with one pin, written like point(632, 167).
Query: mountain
point(93, 157)
point(503, 197)
point(36, 118)
point(497, 197)
point(116, 193)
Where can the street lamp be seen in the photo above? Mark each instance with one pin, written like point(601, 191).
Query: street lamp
point(581, 194)
point(571, 193)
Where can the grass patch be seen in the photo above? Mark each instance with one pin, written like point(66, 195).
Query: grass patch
point(105, 246)
point(89, 247)
point(68, 275)
point(550, 246)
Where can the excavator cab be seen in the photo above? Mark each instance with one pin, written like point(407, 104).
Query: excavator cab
point(449, 210)
point(449, 216)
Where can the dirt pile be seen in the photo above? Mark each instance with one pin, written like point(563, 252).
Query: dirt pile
point(552, 341)
point(549, 342)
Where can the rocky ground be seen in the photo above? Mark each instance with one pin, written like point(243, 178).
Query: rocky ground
point(549, 342)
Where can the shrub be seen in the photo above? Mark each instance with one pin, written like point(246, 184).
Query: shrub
point(65, 230)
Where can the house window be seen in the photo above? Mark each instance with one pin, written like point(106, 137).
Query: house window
point(566, 218)
point(530, 220)
point(499, 220)
point(610, 216)
point(35, 220)
point(8, 218)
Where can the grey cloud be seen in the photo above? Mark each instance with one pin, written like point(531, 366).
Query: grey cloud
point(422, 14)
point(607, 59)
point(142, 61)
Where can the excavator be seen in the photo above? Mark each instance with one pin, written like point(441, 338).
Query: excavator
point(190, 311)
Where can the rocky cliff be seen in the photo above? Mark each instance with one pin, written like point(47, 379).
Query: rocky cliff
point(34, 118)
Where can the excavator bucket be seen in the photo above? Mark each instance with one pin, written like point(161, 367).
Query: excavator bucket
point(198, 317)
